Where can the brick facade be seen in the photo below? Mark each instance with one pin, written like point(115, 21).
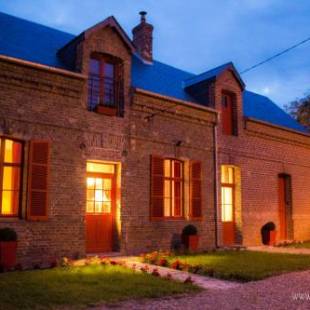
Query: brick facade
point(38, 102)
point(262, 152)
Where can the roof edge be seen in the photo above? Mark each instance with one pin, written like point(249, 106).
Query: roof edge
point(42, 67)
point(175, 100)
point(255, 120)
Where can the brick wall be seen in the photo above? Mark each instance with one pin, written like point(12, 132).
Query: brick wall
point(262, 152)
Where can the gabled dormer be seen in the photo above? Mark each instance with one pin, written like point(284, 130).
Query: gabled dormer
point(103, 53)
point(220, 88)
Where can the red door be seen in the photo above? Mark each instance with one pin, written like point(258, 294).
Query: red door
point(282, 209)
point(100, 208)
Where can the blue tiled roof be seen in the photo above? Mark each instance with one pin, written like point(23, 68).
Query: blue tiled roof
point(30, 41)
point(37, 43)
point(213, 73)
point(262, 108)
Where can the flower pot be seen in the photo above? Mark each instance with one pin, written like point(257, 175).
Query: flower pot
point(101, 109)
point(191, 242)
point(8, 254)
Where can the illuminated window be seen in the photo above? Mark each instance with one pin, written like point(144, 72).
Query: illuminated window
point(10, 176)
point(99, 187)
point(173, 188)
point(227, 193)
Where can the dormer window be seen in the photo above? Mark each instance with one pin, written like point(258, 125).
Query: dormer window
point(105, 85)
point(229, 117)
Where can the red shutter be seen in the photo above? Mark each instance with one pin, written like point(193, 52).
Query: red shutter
point(195, 189)
point(157, 187)
point(38, 180)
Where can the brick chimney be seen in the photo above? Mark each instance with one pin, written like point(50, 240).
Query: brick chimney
point(143, 38)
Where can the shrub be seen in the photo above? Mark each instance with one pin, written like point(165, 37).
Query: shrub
point(7, 234)
point(189, 230)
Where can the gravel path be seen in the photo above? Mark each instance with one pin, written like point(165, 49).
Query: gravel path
point(273, 293)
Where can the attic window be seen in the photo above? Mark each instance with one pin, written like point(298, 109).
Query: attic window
point(229, 114)
point(105, 85)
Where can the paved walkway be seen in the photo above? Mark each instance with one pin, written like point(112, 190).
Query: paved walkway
point(201, 281)
point(271, 249)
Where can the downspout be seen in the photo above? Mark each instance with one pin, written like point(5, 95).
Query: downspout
point(216, 188)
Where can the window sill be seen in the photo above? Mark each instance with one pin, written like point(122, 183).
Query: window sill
point(165, 219)
point(110, 111)
point(10, 219)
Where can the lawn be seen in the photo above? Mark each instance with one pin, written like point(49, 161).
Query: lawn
point(243, 265)
point(79, 287)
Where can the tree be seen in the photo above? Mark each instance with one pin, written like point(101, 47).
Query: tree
point(300, 110)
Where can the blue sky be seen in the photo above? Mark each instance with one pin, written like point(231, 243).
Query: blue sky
point(197, 35)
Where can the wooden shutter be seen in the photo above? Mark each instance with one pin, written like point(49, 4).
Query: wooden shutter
point(157, 187)
point(195, 189)
point(38, 180)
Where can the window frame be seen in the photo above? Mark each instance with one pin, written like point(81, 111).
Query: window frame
point(233, 187)
point(21, 176)
point(109, 109)
point(172, 181)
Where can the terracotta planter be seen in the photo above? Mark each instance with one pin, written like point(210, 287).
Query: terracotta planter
point(191, 242)
point(101, 109)
point(8, 254)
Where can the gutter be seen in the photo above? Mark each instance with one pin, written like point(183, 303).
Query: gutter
point(175, 100)
point(216, 187)
point(43, 67)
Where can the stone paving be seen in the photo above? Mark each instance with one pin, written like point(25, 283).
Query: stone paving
point(201, 281)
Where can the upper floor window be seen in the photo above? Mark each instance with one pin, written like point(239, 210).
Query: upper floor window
point(10, 176)
point(229, 119)
point(105, 85)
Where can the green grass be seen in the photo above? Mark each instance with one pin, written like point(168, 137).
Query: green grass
point(245, 265)
point(303, 245)
point(78, 287)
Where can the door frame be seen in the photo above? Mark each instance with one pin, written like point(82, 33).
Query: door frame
point(233, 222)
point(111, 176)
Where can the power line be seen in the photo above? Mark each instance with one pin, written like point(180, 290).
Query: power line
point(275, 56)
point(242, 72)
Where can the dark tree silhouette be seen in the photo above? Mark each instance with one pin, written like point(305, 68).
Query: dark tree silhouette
point(300, 110)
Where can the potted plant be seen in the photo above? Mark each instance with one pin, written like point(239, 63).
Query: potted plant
point(190, 237)
point(8, 247)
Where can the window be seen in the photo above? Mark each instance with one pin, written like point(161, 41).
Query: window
point(99, 183)
point(173, 188)
point(229, 124)
point(167, 188)
point(10, 176)
point(105, 85)
point(227, 193)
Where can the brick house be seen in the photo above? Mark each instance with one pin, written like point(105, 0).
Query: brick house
point(104, 149)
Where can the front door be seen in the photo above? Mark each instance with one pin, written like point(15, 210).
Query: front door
point(100, 207)
point(285, 208)
point(227, 203)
